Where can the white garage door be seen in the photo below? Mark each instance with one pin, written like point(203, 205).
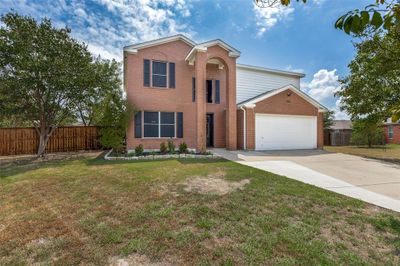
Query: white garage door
point(285, 132)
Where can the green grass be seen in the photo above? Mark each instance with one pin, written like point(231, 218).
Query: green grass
point(390, 152)
point(86, 211)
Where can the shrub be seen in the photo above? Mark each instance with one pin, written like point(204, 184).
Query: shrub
point(171, 147)
point(367, 132)
point(163, 148)
point(131, 154)
point(139, 150)
point(183, 148)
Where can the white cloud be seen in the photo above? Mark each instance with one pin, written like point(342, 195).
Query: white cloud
point(323, 87)
point(324, 84)
point(291, 68)
point(339, 115)
point(109, 25)
point(267, 17)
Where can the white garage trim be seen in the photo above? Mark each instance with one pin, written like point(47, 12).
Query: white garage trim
point(271, 93)
point(285, 132)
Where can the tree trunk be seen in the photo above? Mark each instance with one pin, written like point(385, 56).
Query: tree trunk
point(44, 136)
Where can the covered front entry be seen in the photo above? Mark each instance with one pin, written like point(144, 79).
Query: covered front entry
point(285, 132)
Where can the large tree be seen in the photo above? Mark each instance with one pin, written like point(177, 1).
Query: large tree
point(104, 84)
point(372, 89)
point(43, 73)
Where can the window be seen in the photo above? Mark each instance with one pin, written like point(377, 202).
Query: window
point(167, 125)
point(390, 129)
point(163, 125)
point(209, 91)
point(159, 74)
point(217, 93)
point(151, 125)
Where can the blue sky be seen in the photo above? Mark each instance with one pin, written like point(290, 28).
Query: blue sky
point(299, 38)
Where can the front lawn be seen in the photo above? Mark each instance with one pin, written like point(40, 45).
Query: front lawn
point(390, 152)
point(190, 212)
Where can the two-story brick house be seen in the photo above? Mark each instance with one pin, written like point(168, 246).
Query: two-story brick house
point(198, 94)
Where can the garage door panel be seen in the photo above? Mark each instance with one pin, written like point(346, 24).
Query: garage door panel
point(283, 132)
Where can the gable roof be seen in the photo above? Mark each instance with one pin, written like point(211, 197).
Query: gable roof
point(341, 124)
point(179, 37)
point(270, 70)
point(252, 101)
point(203, 47)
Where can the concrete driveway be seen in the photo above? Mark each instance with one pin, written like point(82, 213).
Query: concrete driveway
point(373, 181)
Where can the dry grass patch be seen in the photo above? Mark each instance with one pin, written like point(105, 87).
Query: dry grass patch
point(213, 184)
point(95, 212)
point(390, 152)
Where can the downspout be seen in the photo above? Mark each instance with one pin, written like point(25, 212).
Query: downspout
point(244, 126)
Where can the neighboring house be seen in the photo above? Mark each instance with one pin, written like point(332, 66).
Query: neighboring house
point(339, 134)
point(392, 131)
point(197, 93)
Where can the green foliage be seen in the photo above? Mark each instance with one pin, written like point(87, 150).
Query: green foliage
point(171, 146)
point(328, 119)
point(139, 150)
point(103, 82)
point(42, 73)
point(115, 116)
point(367, 132)
point(163, 148)
point(47, 78)
point(380, 14)
point(373, 85)
point(131, 154)
point(183, 147)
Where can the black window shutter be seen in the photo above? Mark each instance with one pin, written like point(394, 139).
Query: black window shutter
point(217, 93)
point(146, 73)
point(179, 125)
point(138, 125)
point(172, 75)
point(193, 89)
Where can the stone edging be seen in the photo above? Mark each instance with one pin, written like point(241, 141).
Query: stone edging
point(162, 156)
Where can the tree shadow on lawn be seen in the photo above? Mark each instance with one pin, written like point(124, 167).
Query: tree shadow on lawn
point(13, 169)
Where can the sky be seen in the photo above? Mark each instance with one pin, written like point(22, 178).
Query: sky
point(300, 37)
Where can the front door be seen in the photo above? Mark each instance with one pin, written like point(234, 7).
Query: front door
point(210, 130)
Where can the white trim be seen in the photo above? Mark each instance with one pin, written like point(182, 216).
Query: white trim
point(202, 47)
point(159, 125)
point(133, 49)
point(270, 70)
point(251, 103)
point(314, 132)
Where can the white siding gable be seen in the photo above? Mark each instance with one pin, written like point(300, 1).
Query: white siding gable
point(252, 82)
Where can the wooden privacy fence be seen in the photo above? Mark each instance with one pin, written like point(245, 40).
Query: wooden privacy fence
point(341, 137)
point(15, 141)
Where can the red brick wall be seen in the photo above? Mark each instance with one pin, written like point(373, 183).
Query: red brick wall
point(161, 99)
point(179, 99)
point(251, 129)
point(396, 134)
point(240, 118)
point(284, 104)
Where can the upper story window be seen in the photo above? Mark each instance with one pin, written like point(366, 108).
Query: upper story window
point(158, 74)
point(390, 129)
point(209, 91)
point(213, 92)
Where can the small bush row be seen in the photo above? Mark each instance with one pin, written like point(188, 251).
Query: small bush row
point(164, 149)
